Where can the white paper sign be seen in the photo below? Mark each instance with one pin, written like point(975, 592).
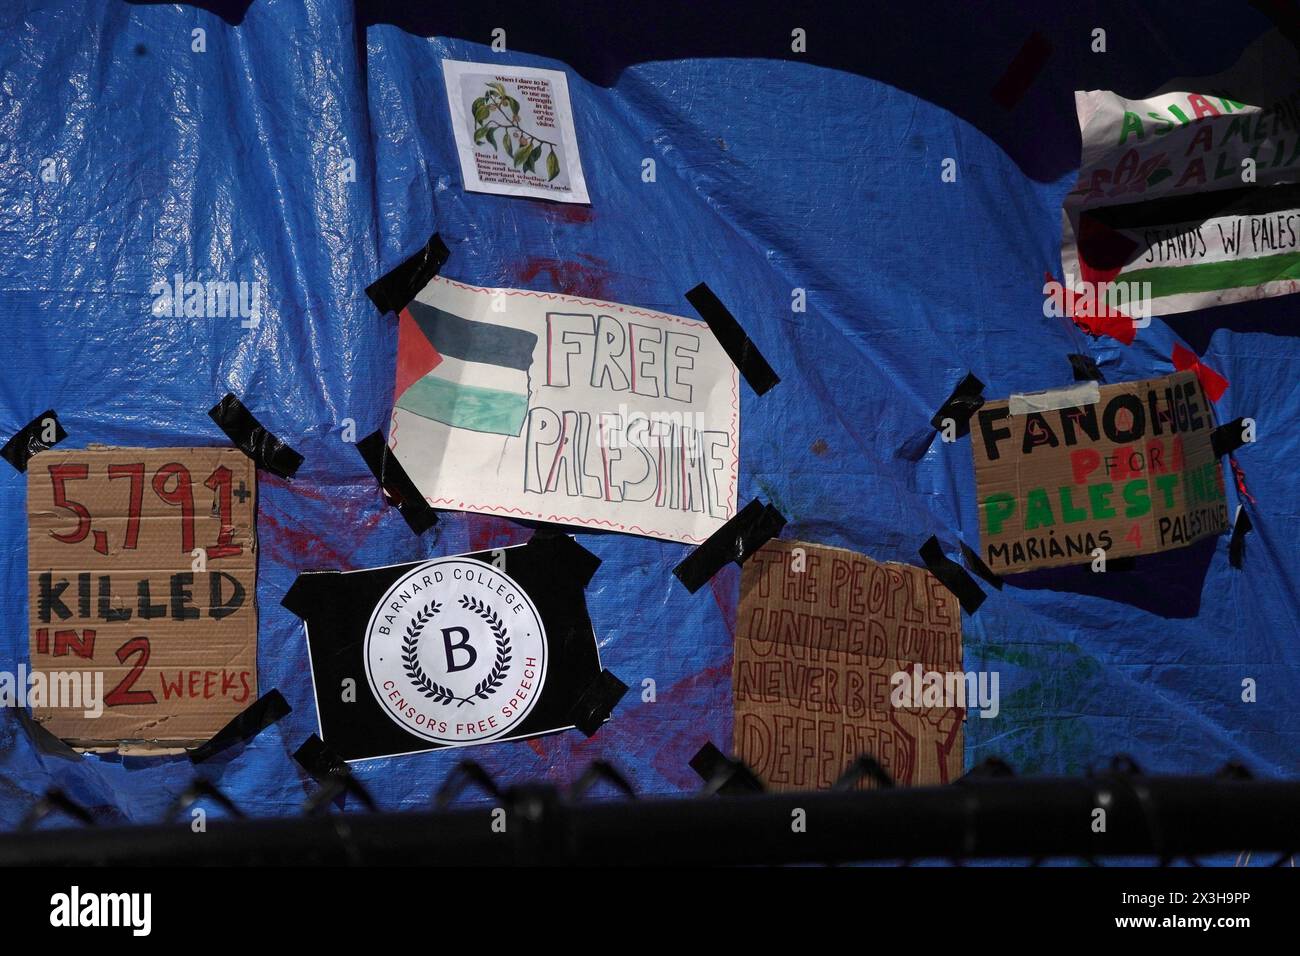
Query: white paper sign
point(514, 131)
point(552, 408)
point(1188, 198)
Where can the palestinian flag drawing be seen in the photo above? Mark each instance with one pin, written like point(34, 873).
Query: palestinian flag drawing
point(464, 373)
point(1189, 197)
point(455, 651)
point(1198, 249)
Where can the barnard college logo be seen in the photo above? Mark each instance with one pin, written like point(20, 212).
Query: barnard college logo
point(456, 652)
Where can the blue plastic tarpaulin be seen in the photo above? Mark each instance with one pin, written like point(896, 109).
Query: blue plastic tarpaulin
point(307, 147)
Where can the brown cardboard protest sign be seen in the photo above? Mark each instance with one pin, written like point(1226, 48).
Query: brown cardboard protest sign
point(1129, 469)
point(142, 568)
point(820, 635)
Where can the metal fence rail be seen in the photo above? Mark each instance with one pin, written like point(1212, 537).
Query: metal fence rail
point(987, 814)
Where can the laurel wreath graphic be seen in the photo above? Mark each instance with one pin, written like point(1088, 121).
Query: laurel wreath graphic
point(411, 660)
point(431, 688)
point(490, 684)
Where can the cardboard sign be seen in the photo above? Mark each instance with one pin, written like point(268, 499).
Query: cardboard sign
point(514, 131)
point(1187, 198)
point(142, 571)
point(571, 411)
point(1131, 472)
point(450, 652)
point(820, 635)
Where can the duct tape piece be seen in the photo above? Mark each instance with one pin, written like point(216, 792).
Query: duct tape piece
point(1076, 396)
point(255, 718)
point(399, 490)
point(1085, 368)
point(739, 347)
point(394, 291)
point(30, 439)
point(43, 740)
point(1228, 437)
point(1241, 526)
point(752, 527)
point(724, 775)
point(976, 564)
point(318, 759)
point(334, 775)
point(563, 551)
point(1212, 382)
point(267, 451)
point(964, 402)
point(303, 595)
point(1088, 315)
point(596, 703)
point(952, 575)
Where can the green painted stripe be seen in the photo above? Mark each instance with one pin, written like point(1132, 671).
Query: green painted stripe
point(1213, 276)
point(466, 406)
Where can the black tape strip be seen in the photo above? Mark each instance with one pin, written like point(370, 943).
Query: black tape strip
point(595, 704)
point(711, 764)
point(256, 717)
point(1228, 437)
point(1241, 526)
point(952, 575)
point(392, 292)
point(566, 553)
point(752, 527)
point(251, 437)
point(964, 402)
point(319, 759)
point(332, 772)
point(976, 564)
point(43, 740)
point(739, 347)
point(303, 594)
point(29, 441)
point(1085, 368)
point(399, 490)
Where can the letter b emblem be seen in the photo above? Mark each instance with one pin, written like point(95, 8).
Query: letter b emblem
point(451, 647)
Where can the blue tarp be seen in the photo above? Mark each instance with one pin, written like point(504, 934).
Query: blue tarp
point(775, 170)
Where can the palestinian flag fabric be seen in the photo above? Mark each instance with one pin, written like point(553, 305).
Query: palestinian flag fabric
point(1189, 198)
point(461, 372)
point(452, 651)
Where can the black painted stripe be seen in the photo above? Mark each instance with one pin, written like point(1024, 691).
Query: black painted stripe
point(474, 341)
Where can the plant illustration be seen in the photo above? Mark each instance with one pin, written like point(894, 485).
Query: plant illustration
point(496, 121)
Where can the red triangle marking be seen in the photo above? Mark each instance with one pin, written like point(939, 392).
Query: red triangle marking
point(416, 356)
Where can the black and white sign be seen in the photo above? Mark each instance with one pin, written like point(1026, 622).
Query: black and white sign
point(456, 652)
point(451, 651)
